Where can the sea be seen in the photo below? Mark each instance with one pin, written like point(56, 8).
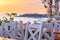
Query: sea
point(25, 19)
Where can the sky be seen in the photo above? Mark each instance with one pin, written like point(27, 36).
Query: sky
point(22, 6)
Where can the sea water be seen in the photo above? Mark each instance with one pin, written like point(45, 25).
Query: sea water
point(29, 19)
point(25, 19)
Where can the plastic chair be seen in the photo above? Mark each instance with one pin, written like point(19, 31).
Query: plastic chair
point(46, 27)
point(57, 24)
point(20, 30)
point(10, 29)
point(37, 28)
point(1, 30)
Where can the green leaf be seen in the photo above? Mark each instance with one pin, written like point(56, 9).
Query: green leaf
point(0, 22)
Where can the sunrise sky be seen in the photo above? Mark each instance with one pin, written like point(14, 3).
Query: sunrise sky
point(22, 6)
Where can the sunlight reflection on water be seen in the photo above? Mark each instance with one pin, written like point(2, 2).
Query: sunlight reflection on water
point(26, 19)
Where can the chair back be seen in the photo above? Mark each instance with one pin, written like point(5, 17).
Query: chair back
point(57, 24)
point(32, 30)
point(1, 30)
point(20, 30)
point(10, 29)
point(48, 27)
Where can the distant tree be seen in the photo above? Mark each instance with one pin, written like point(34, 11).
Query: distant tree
point(14, 14)
point(10, 16)
point(5, 19)
point(7, 14)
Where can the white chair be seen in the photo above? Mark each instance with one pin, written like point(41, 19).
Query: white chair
point(37, 31)
point(1, 30)
point(20, 30)
point(10, 29)
point(46, 27)
point(57, 27)
point(57, 24)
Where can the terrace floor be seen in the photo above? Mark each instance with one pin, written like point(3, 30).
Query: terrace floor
point(21, 39)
